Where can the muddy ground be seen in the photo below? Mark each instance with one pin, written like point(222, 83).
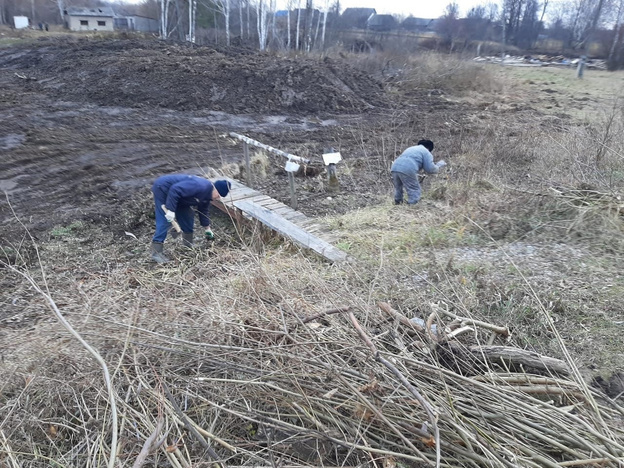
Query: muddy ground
point(87, 124)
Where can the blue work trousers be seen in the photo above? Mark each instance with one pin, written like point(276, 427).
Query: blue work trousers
point(185, 216)
point(411, 185)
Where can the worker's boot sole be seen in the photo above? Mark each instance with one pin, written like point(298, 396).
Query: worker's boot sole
point(157, 253)
point(187, 240)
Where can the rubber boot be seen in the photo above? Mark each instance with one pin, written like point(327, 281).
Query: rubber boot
point(157, 253)
point(187, 239)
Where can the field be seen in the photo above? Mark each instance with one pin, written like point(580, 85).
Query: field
point(254, 352)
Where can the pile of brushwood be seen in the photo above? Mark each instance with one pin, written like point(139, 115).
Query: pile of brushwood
point(348, 386)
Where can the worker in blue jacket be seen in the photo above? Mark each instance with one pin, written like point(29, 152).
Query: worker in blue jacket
point(406, 167)
point(174, 198)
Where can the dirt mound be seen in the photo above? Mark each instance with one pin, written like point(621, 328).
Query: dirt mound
point(136, 73)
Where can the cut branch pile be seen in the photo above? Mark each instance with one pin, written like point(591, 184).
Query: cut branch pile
point(347, 394)
point(590, 198)
point(349, 386)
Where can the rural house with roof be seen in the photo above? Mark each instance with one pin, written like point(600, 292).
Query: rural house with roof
point(418, 24)
point(381, 23)
point(89, 19)
point(356, 17)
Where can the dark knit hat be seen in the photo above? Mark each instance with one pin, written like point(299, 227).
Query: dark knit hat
point(223, 187)
point(427, 144)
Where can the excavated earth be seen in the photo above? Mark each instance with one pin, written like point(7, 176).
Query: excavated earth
point(86, 124)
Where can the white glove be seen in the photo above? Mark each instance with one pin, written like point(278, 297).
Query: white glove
point(169, 215)
point(441, 163)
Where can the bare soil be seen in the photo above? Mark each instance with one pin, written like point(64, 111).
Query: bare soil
point(86, 124)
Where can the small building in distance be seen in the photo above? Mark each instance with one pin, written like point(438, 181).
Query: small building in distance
point(356, 17)
point(418, 24)
point(381, 23)
point(89, 19)
point(136, 23)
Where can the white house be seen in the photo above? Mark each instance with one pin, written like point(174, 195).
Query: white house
point(89, 19)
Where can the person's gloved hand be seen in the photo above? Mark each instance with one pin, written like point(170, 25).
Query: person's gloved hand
point(441, 163)
point(169, 215)
point(209, 234)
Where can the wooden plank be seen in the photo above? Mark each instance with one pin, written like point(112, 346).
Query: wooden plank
point(268, 204)
point(305, 223)
point(259, 199)
point(290, 216)
point(297, 217)
point(240, 193)
point(292, 231)
point(282, 211)
point(274, 204)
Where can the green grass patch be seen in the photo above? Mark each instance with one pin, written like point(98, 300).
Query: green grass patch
point(69, 230)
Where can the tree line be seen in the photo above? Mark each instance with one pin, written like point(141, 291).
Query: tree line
point(575, 23)
point(306, 26)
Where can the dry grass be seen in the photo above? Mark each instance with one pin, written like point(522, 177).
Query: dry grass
point(217, 351)
point(428, 72)
point(223, 338)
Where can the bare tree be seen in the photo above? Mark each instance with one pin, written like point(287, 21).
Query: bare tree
point(248, 19)
point(520, 23)
point(611, 60)
point(272, 8)
point(289, 6)
point(164, 15)
point(597, 13)
point(581, 17)
point(262, 24)
point(318, 25)
point(449, 22)
point(324, 25)
point(240, 18)
point(308, 25)
point(224, 8)
point(192, 11)
point(492, 11)
point(61, 7)
point(544, 7)
point(529, 26)
point(298, 24)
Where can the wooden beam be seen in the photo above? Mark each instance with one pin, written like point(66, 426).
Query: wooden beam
point(270, 149)
point(291, 231)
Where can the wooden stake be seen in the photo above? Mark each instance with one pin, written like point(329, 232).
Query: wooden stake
point(248, 176)
point(332, 176)
point(293, 195)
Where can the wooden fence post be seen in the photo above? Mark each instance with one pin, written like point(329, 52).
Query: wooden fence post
point(332, 176)
point(580, 67)
point(248, 175)
point(293, 195)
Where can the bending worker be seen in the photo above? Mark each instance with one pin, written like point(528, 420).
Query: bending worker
point(174, 198)
point(406, 167)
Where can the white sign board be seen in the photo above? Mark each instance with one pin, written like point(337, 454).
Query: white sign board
point(291, 166)
point(331, 158)
point(20, 22)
